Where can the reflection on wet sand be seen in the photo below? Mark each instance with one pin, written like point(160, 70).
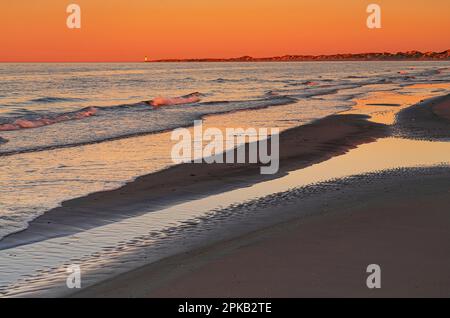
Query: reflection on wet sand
point(114, 244)
point(60, 174)
point(383, 106)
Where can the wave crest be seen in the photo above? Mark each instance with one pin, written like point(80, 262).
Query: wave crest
point(24, 123)
point(167, 101)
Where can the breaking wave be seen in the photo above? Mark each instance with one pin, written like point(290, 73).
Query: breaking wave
point(37, 121)
point(124, 121)
point(27, 123)
point(167, 101)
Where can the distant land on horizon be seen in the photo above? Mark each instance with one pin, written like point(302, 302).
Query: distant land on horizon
point(385, 56)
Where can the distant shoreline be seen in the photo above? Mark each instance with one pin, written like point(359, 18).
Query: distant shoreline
point(384, 56)
point(345, 57)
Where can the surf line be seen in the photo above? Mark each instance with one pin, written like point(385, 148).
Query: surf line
point(207, 146)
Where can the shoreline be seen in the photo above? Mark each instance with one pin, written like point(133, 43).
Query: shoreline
point(375, 219)
point(297, 61)
point(300, 147)
point(425, 123)
point(344, 57)
point(321, 140)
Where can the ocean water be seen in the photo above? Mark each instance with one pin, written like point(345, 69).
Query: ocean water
point(67, 130)
point(75, 104)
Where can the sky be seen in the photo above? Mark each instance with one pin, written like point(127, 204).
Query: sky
point(119, 31)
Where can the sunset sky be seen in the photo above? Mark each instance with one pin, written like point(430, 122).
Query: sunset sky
point(119, 30)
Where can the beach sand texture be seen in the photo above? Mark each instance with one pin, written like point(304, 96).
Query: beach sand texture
point(398, 220)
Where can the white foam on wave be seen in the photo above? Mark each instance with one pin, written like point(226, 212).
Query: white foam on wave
point(167, 101)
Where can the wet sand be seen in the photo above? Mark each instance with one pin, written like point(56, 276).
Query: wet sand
point(299, 147)
point(397, 220)
point(442, 109)
point(427, 121)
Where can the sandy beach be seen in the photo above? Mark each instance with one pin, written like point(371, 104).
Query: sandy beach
point(365, 186)
point(299, 147)
point(397, 219)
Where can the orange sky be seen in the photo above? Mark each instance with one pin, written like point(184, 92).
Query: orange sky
point(127, 30)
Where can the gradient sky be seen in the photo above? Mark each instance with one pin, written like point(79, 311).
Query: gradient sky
point(127, 30)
